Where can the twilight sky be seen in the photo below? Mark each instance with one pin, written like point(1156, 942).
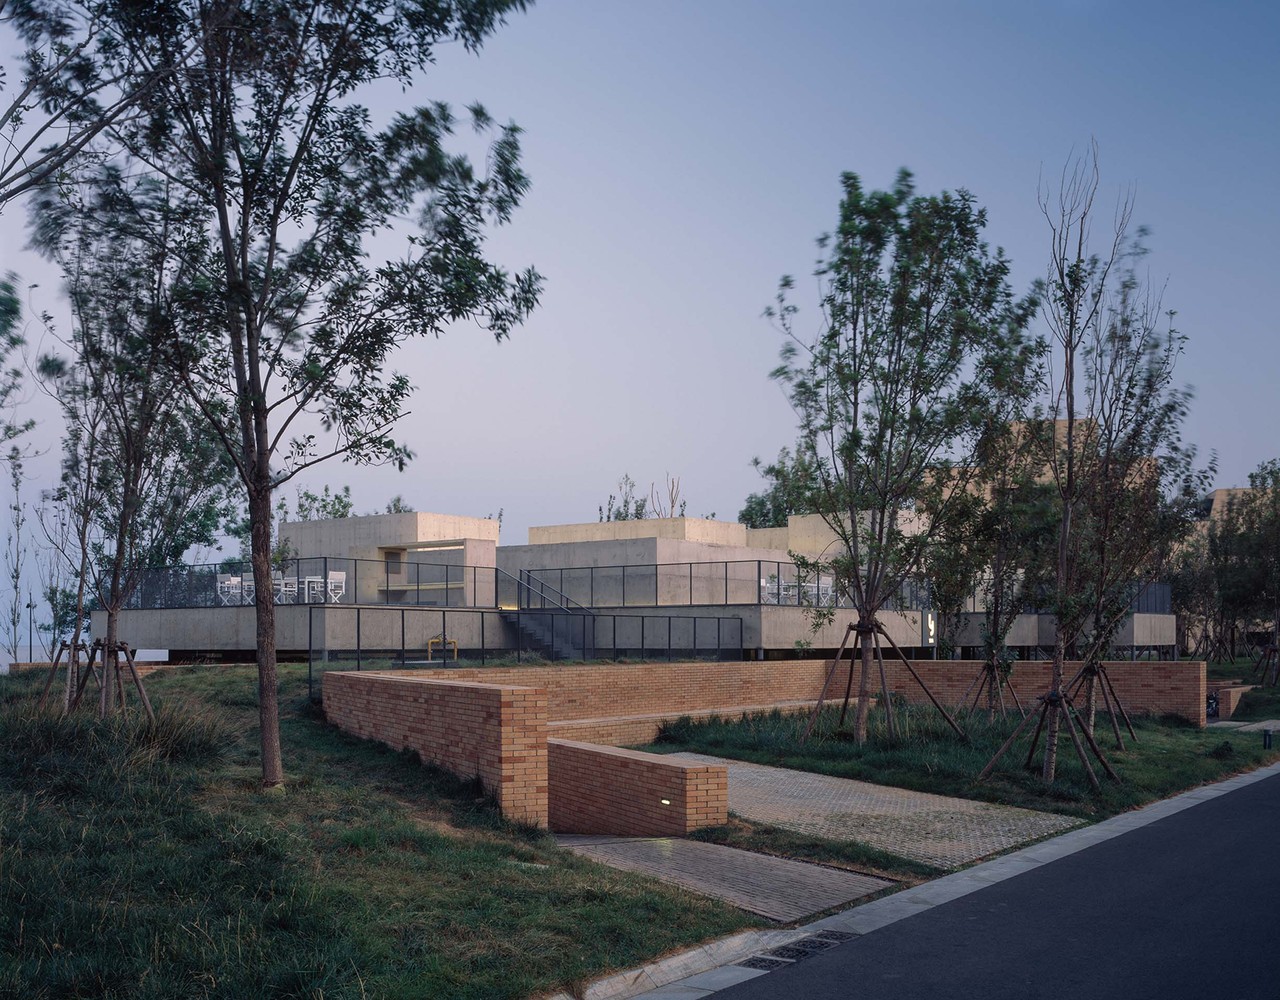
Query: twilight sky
point(685, 154)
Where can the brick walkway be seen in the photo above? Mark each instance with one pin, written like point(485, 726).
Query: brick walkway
point(935, 829)
point(772, 887)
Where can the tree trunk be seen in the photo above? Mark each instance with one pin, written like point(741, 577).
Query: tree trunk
point(1090, 699)
point(860, 717)
point(264, 601)
point(1051, 729)
point(110, 675)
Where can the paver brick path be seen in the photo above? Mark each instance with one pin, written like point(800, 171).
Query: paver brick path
point(936, 829)
point(775, 888)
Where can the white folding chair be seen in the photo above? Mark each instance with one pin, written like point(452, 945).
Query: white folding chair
point(229, 588)
point(337, 585)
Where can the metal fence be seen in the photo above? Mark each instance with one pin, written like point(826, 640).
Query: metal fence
point(335, 580)
point(714, 583)
point(391, 638)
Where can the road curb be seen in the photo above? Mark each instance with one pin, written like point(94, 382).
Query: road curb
point(701, 971)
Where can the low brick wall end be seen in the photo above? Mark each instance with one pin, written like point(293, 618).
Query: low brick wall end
point(607, 790)
point(496, 733)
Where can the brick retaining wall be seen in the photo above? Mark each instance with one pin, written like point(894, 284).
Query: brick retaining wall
point(494, 732)
point(610, 690)
point(494, 723)
point(620, 691)
point(606, 790)
point(1175, 688)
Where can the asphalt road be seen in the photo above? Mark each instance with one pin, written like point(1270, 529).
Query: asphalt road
point(1185, 907)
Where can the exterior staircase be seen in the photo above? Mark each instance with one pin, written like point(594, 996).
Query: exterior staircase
point(547, 622)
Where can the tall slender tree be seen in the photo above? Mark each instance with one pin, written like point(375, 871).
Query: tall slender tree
point(1125, 482)
point(143, 475)
point(918, 325)
point(285, 327)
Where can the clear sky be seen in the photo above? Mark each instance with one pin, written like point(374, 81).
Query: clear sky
point(685, 154)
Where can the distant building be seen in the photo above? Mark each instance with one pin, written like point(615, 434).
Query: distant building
point(408, 585)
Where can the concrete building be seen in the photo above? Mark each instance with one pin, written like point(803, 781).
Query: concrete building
point(409, 585)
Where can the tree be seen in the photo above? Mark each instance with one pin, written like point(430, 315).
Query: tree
point(75, 82)
point(1016, 534)
point(1259, 520)
point(284, 328)
point(144, 476)
point(783, 496)
point(15, 555)
point(918, 324)
point(1125, 484)
point(626, 506)
point(11, 377)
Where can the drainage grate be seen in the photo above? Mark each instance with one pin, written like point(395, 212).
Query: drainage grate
point(760, 962)
point(837, 936)
point(795, 952)
point(814, 944)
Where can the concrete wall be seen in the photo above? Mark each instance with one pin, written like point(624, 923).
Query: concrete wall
point(205, 629)
point(693, 529)
point(606, 790)
point(495, 733)
point(781, 626)
point(364, 536)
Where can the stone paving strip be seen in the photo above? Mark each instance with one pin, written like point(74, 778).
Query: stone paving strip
point(1248, 727)
point(775, 888)
point(936, 829)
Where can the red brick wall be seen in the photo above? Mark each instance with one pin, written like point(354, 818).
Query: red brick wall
point(494, 723)
point(497, 733)
point(630, 689)
point(1177, 688)
point(1229, 699)
point(614, 691)
point(606, 790)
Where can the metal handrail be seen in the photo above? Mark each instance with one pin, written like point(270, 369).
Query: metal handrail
point(525, 582)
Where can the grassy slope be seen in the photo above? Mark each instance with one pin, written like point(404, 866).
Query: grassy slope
point(146, 863)
point(1169, 756)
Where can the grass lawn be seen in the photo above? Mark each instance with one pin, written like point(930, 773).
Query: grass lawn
point(1169, 756)
point(761, 838)
point(139, 862)
point(1258, 705)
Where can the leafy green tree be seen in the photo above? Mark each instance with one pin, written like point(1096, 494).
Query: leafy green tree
point(952, 570)
point(285, 324)
point(142, 474)
point(892, 392)
point(784, 496)
point(11, 341)
point(324, 505)
point(72, 81)
point(1259, 520)
point(626, 506)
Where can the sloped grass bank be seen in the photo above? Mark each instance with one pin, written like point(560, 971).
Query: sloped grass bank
point(1169, 756)
point(144, 862)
